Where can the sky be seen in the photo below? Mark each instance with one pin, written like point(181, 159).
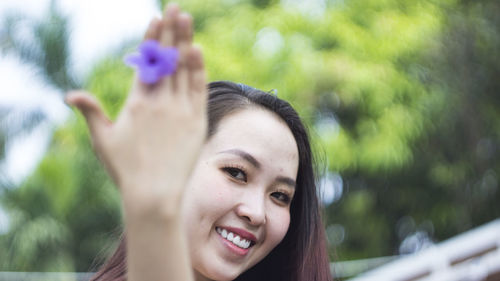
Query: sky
point(98, 27)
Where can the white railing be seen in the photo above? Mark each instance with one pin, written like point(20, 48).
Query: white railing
point(471, 256)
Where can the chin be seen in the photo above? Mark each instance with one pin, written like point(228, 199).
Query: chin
point(219, 274)
point(216, 277)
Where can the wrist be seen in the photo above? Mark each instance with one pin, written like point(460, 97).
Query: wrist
point(143, 205)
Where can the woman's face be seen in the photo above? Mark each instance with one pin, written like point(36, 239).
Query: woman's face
point(240, 190)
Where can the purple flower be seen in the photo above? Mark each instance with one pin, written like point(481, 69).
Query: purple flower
point(153, 61)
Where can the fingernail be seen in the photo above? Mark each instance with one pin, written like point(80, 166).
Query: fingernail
point(184, 20)
point(172, 9)
point(67, 100)
point(156, 24)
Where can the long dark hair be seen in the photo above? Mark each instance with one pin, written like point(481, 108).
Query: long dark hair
point(302, 255)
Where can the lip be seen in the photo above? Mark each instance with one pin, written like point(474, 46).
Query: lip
point(233, 248)
point(242, 233)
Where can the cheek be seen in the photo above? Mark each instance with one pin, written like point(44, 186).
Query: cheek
point(279, 221)
point(205, 200)
point(212, 195)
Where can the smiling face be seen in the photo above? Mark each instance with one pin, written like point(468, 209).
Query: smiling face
point(236, 206)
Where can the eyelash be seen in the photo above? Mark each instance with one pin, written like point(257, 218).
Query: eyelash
point(285, 197)
point(230, 169)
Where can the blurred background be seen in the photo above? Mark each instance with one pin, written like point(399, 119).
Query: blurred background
point(401, 98)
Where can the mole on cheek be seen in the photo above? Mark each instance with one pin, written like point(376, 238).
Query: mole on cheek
point(220, 195)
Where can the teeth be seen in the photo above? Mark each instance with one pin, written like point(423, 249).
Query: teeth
point(235, 239)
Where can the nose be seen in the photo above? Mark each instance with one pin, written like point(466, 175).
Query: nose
point(252, 208)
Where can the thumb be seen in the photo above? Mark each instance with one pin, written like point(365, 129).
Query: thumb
point(88, 105)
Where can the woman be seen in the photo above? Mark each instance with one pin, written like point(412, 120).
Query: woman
point(238, 202)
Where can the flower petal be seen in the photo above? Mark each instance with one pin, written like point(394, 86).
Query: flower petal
point(169, 58)
point(153, 61)
point(134, 60)
point(149, 75)
point(149, 47)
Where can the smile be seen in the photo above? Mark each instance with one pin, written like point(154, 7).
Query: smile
point(234, 238)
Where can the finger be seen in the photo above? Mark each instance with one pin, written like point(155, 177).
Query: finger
point(183, 31)
point(153, 31)
point(197, 76)
point(167, 35)
point(87, 104)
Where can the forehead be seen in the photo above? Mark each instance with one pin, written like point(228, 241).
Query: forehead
point(260, 133)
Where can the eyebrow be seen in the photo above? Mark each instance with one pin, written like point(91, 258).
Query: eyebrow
point(250, 159)
point(286, 180)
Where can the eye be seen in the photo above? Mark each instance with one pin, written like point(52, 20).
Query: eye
point(282, 197)
point(236, 173)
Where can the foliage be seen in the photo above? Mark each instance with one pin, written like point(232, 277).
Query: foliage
point(45, 47)
point(448, 181)
point(400, 96)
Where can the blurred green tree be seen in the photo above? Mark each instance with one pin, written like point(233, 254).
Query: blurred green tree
point(401, 97)
point(53, 221)
point(443, 178)
point(46, 50)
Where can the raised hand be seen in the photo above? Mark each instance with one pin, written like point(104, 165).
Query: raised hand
point(153, 145)
point(150, 151)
